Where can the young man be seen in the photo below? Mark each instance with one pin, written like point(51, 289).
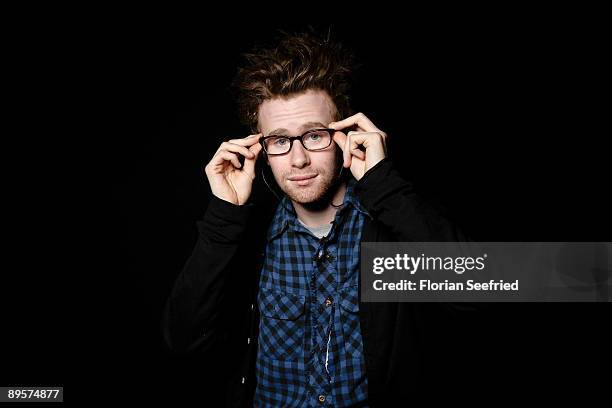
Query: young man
point(285, 305)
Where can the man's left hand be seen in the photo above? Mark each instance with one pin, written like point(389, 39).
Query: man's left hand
point(367, 135)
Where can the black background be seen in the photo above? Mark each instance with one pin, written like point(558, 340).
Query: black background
point(500, 120)
point(496, 122)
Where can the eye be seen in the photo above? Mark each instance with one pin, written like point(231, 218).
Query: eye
point(281, 141)
point(315, 137)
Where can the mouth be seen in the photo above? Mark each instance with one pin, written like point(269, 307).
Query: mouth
point(303, 180)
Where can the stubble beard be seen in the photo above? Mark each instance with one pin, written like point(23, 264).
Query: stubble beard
point(320, 193)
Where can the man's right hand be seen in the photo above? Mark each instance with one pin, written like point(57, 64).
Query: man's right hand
point(228, 179)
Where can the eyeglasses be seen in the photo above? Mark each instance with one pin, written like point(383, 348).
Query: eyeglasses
point(312, 140)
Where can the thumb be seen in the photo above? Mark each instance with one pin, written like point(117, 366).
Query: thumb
point(340, 139)
point(249, 164)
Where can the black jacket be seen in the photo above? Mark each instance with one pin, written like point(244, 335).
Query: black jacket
point(213, 303)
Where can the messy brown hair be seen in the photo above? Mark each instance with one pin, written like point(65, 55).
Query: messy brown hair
point(297, 63)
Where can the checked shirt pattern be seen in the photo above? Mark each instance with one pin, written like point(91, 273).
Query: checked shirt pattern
point(310, 350)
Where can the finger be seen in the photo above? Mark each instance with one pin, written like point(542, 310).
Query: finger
point(356, 140)
point(346, 153)
point(359, 119)
point(247, 141)
point(371, 141)
point(249, 164)
point(224, 155)
point(362, 138)
point(340, 139)
point(231, 147)
point(255, 149)
point(358, 153)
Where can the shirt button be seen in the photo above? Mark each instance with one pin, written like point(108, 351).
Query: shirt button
point(321, 398)
point(328, 302)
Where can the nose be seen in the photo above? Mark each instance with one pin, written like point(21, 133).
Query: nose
point(299, 155)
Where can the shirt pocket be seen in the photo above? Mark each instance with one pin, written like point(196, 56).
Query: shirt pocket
point(282, 326)
point(349, 318)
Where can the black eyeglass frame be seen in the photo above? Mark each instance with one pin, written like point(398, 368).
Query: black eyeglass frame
point(262, 141)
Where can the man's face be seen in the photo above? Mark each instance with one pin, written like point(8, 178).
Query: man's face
point(292, 117)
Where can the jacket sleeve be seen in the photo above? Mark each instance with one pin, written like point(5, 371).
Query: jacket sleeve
point(193, 314)
point(392, 201)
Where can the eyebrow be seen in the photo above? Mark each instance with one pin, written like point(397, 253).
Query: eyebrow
point(304, 127)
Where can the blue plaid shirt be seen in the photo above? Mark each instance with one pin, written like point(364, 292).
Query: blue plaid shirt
point(310, 347)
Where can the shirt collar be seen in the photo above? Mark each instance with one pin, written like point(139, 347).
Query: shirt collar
point(351, 197)
point(285, 215)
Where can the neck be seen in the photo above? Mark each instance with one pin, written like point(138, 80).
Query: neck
point(321, 212)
